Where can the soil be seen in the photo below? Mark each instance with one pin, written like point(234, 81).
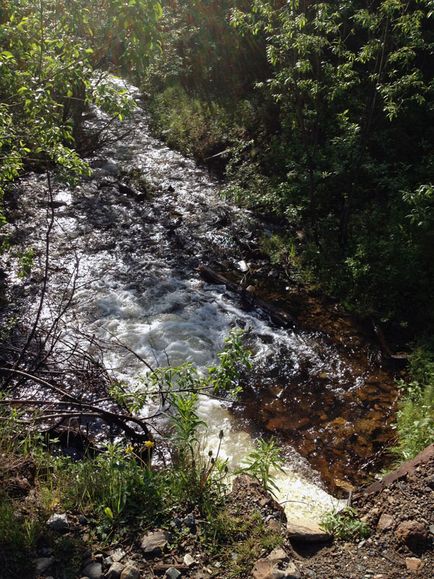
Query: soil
point(392, 509)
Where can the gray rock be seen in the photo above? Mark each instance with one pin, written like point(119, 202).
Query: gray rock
point(115, 571)
point(117, 555)
point(42, 564)
point(58, 523)
point(153, 544)
point(172, 573)
point(130, 572)
point(93, 570)
point(188, 560)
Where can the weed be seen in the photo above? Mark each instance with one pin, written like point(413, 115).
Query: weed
point(263, 462)
point(345, 525)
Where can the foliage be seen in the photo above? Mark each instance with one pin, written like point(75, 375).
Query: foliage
point(345, 525)
point(233, 360)
point(50, 51)
point(340, 143)
point(415, 417)
point(263, 462)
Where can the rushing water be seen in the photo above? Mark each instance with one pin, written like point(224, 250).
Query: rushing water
point(138, 253)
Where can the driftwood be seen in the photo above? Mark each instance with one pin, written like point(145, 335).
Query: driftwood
point(277, 315)
point(398, 356)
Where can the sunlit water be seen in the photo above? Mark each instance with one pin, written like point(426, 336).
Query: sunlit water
point(137, 282)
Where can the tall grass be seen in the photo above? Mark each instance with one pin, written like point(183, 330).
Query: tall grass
point(415, 417)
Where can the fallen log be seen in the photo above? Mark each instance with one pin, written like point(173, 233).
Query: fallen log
point(277, 315)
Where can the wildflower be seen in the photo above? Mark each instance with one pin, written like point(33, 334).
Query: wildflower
point(149, 444)
point(129, 449)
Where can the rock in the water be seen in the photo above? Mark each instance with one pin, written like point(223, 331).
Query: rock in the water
point(130, 572)
point(413, 534)
point(385, 522)
point(413, 564)
point(308, 532)
point(93, 570)
point(115, 571)
point(58, 523)
point(172, 573)
point(153, 544)
point(42, 564)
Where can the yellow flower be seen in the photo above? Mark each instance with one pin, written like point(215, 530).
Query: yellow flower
point(149, 444)
point(129, 449)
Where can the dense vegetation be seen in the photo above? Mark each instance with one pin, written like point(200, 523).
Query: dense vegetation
point(324, 113)
point(318, 114)
point(321, 113)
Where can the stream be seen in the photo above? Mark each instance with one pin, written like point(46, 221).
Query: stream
point(138, 228)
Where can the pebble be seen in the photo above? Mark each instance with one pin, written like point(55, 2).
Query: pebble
point(188, 560)
point(154, 543)
point(130, 572)
point(42, 564)
point(58, 523)
point(413, 564)
point(172, 573)
point(93, 570)
point(385, 522)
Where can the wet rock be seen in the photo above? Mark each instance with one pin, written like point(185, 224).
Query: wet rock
point(413, 564)
point(43, 564)
point(413, 534)
point(153, 544)
point(93, 570)
point(130, 572)
point(385, 522)
point(115, 571)
point(308, 532)
point(172, 573)
point(127, 190)
point(58, 523)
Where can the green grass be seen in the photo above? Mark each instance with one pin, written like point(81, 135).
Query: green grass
point(345, 525)
point(415, 417)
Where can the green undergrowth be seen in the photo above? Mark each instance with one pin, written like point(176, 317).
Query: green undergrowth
point(203, 128)
point(117, 491)
point(239, 540)
point(415, 417)
point(345, 525)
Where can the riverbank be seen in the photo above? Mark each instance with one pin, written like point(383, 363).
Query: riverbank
point(248, 538)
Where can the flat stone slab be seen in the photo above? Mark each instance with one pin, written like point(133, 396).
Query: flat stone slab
point(308, 532)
